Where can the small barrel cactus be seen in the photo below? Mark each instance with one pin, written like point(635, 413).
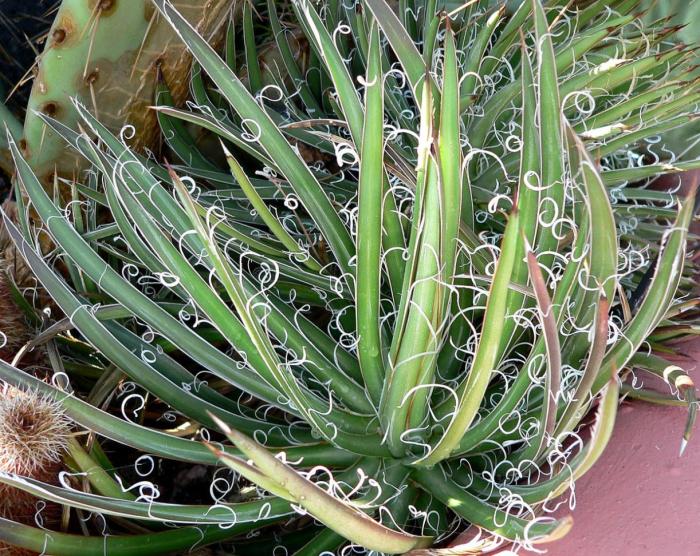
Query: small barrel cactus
point(34, 432)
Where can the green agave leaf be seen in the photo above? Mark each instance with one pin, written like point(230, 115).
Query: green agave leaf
point(218, 126)
point(100, 480)
point(111, 282)
point(272, 223)
point(472, 391)
point(431, 23)
point(152, 441)
point(415, 341)
point(659, 296)
point(255, 80)
point(176, 134)
point(290, 63)
point(402, 44)
point(584, 460)
point(476, 57)
point(271, 139)
point(369, 227)
point(528, 196)
point(570, 418)
point(551, 135)
point(348, 98)
point(176, 540)
point(338, 516)
point(110, 347)
point(266, 509)
point(484, 515)
point(455, 196)
point(331, 425)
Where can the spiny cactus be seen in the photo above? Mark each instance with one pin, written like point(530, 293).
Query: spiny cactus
point(34, 433)
point(391, 340)
point(108, 53)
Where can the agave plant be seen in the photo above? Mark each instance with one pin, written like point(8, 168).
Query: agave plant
point(432, 258)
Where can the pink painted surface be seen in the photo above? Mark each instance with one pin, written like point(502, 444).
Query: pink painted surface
point(641, 498)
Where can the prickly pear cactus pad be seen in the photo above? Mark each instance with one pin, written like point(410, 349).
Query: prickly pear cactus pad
point(107, 54)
